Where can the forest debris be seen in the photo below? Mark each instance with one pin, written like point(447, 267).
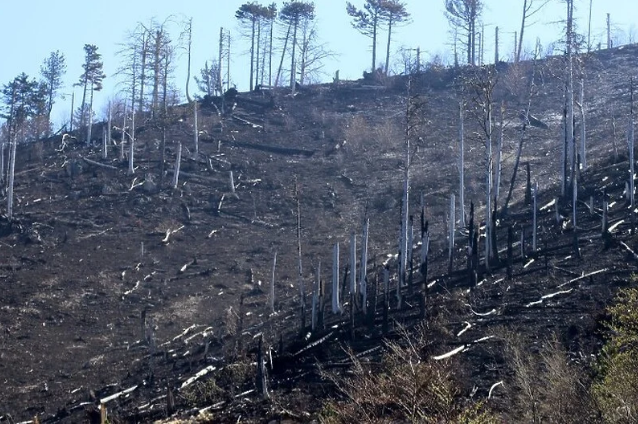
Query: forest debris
point(169, 232)
point(613, 227)
point(247, 122)
point(548, 205)
point(88, 236)
point(495, 385)
point(211, 233)
point(573, 280)
point(492, 312)
point(137, 284)
point(629, 249)
point(467, 327)
point(186, 265)
point(102, 165)
point(197, 376)
point(185, 332)
point(449, 354)
point(117, 395)
point(202, 333)
point(133, 184)
point(548, 296)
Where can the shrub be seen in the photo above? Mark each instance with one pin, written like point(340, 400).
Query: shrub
point(404, 387)
point(616, 390)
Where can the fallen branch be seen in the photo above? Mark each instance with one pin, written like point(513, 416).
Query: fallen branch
point(629, 249)
point(197, 376)
point(449, 354)
point(117, 395)
point(573, 280)
point(495, 385)
point(102, 165)
point(467, 327)
point(548, 296)
point(186, 265)
point(169, 232)
point(247, 122)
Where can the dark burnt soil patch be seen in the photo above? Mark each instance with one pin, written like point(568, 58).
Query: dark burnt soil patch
point(93, 249)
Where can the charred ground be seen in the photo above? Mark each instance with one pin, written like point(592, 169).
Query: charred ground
point(92, 249)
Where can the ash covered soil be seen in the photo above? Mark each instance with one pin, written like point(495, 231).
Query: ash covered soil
point(114, 282)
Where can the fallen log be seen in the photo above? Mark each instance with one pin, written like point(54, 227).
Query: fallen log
point(101, 165)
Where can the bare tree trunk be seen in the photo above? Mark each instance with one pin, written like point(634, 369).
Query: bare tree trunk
point(336, 306)
point(499, 154)
point(353, 263)
point(131, 146)
point(375, 25)
point(178, 163)
point(196, 135)
point(219, 76)
point(631, 146)
point(572, 150)
point(496, 58)
point(519, 48)
point(283, 54)
point(272, 25)
point(123, 140)
point(302, 289)
point(451, 230)
point(387, 54)
point(90, 119)
point(145, 52)
point(363, 277)
point(534, 220)
point(188, 68)
point(272, 284)
point(461, 165)
point(109, 123)
point(589, 28)
point(293, 64)
point(257, 53)
point(12, 164)
point(104, 138)
point(252, 54)
point(583, 127)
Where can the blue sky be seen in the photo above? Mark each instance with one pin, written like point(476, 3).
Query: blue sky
point(66, 25)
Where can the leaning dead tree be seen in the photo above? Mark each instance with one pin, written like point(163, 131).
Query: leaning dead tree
point(523, 132)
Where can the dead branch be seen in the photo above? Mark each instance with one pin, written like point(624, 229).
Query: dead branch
point(101, 165)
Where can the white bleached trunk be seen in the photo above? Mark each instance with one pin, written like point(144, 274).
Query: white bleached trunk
point(272, 284)
point(363, 277)
point(196, 136)
point(461, 166)
point(336, 305)
point(178, 163)
point(353, 263)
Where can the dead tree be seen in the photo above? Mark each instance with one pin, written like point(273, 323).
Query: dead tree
point(363, 267)
point(481, 87)
point(336, 305)
point(461, 165)
point(519, 150)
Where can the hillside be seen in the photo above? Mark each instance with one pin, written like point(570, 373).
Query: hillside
point(115, 282)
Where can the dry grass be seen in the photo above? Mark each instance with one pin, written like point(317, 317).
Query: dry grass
point(405, 386)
